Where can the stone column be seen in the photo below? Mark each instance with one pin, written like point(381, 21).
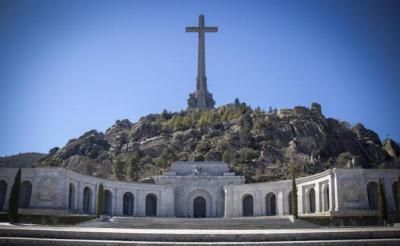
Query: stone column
point(317, 197)
point(258, 203)
point(80, 197)
point(332, 193)
point(300, 200)
point(141, 203)
point(94, 203)
point(387, 186)
point(136, 204)
point(280, 203)
point(115, 199)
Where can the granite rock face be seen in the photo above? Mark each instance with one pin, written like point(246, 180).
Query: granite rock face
point(257, 144)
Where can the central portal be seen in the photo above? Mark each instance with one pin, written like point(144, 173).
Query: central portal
point(199, 207)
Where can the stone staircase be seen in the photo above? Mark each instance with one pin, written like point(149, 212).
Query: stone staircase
point(262, 222)
point(186, 231)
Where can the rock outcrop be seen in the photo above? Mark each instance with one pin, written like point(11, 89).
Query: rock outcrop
point(257, 144)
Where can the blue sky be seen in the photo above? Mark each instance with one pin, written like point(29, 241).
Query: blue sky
point(67, 67)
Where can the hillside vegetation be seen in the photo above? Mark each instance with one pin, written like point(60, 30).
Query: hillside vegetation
point(261, 145)
point(20, 160)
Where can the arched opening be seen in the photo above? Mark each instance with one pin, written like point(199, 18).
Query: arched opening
point(107, 202)
point(25, 194)
point(199, 207)
point(290, 199)
point(3, 193)
point(151, 205)
point(270, 202)
point(311, 200)
point(128, 204)
point(373, 199)
point(396, 197)
point(71, 196)
point(87, 200)
point(247, 205)
point(325, 204)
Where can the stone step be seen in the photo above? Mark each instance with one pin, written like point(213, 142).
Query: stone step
point(262, 222)
point(203, 236)
point(77, 242)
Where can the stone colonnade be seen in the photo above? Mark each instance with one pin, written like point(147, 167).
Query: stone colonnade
point(333, 192)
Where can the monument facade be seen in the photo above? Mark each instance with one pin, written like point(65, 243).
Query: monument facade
point(203, 189)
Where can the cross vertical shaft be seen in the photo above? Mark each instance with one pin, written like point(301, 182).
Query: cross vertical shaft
point(202, 98)
point(201, 66)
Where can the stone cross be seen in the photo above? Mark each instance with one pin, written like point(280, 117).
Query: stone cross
point(201, 85)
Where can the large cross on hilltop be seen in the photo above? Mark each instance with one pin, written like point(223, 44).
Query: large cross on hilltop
point(201, 98)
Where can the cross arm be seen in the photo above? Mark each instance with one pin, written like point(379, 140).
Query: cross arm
point(192, 29)
point(201, 29)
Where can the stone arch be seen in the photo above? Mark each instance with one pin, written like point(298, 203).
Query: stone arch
point(325, 198)
point(127, 204)
point(199, 194)
point(3, 193)
point(25, 194)
point(396, 197)
point(107, 202)
point(71, 196)
point(87, 200)
point(372, 191)
point(247, 205)
point(270, 204)
point(290, 199)
point(151, 205)
point(311, 200)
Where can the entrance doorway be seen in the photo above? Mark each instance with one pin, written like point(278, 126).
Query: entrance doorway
point(247, 207)
point(151, 205)
point(199, 207)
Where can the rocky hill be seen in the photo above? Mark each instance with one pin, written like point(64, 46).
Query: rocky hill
point(20, 160)
point(261, 145)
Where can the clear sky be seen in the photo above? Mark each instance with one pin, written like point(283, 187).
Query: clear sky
point(67, 67)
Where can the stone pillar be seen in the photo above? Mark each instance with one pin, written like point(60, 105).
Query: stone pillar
point(114, 202)
point(336, 190)
point(300, 200)
point(142, 203)
point(279, 203)
point(332, 193)
point(387, 186)
point(119, 202)
point(80, 197)
point(94, 203)
point(258, 204)
point(317, 197)
point(136, 204)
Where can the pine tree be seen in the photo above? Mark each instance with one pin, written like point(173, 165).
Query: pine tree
point(13, 203)
point(294, 195)
point(382, 203)
point(118, 169)
point(246, 124)
point(237, 102)
point(133, 168)
point(100, 201)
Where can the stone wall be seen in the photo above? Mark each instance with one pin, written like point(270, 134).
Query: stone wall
point(333, 192)
point(338, 192)
point(51, 189)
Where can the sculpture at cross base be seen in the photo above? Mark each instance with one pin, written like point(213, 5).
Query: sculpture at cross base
point(201, 98)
